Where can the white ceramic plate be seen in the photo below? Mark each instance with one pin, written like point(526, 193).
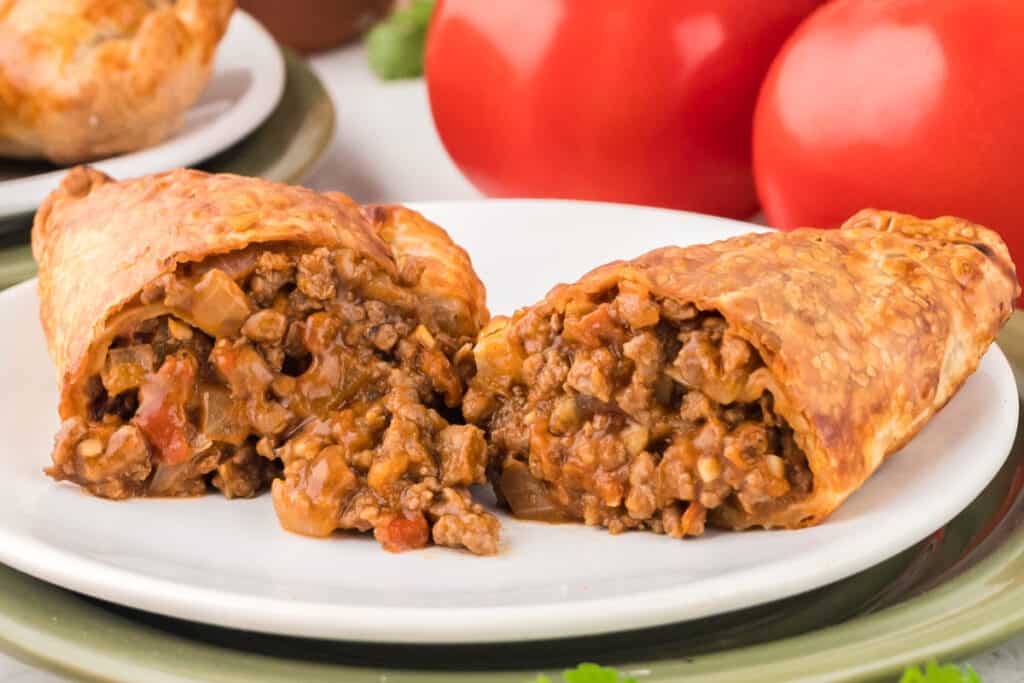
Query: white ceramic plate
point(228, 562)
point(246, 84)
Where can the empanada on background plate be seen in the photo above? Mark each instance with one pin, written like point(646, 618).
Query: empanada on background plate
point(247, 81)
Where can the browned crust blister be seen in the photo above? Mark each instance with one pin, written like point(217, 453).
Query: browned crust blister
point(86, 79)
point(867, 331)
point(99, 242)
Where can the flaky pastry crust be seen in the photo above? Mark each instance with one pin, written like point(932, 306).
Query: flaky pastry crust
point(87, 79)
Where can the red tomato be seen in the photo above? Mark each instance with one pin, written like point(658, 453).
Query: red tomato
point(910, 105)
point(643, 102)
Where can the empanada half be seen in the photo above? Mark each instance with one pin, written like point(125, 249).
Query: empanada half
point(226, 332)
point(756, 381)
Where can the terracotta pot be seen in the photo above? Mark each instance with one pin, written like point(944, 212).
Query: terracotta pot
point(314, 25)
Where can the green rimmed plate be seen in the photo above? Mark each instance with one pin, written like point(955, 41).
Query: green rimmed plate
point(284, 147)
point(956, 593)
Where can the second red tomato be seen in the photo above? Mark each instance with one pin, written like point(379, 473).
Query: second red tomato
point(640, 102)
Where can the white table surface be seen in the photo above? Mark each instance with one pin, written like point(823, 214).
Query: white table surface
point(385, 149)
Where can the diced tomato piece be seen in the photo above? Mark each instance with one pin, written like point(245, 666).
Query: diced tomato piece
point(161, 414)
point(403, 533)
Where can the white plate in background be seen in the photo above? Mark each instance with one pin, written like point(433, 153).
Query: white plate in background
point(245, 86)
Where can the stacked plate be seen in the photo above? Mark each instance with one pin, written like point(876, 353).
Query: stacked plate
point(264, 113)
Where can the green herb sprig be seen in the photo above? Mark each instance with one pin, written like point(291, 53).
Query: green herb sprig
point(590, 673)
point(394, 47)
point(932, 673)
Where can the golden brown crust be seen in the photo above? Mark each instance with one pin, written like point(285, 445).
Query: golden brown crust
point(85, 79)
point(442, 267)
point(99, 242)
point(867, 331)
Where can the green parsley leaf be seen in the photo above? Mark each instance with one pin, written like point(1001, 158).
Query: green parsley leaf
point(593, 673)
point(394, 47)
point(590, 673)
point(933, 673)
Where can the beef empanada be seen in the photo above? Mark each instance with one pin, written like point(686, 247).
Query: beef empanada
point(226, 332)
point(86, 79)
point(756, 381)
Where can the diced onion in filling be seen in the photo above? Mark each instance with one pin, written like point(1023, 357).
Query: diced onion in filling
point(219, 306)
point(222, 418)
point(127, 367)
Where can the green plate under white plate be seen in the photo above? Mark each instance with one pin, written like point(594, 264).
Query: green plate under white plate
point(284, 147)
point(958, 592)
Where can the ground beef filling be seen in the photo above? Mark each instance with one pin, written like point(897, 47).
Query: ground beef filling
point(633, 413)
point(287, 373)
